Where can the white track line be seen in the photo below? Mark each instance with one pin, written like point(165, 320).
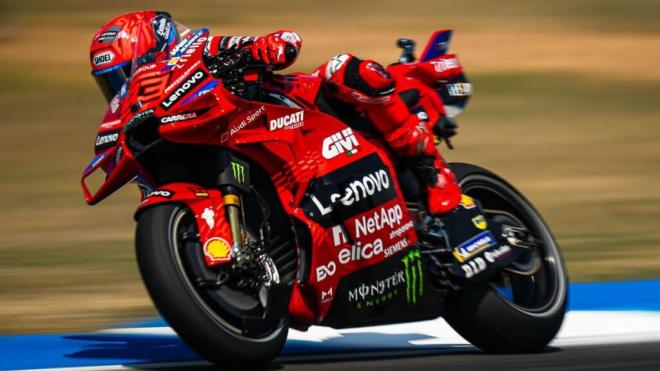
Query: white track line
point(580, 328)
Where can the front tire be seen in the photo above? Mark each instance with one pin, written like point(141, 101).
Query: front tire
point(201, 317)
point(528, 316)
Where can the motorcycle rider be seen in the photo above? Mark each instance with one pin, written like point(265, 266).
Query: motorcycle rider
point(363, 85)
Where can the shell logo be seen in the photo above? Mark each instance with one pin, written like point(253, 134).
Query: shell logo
point(467, 202)
point(217, 250)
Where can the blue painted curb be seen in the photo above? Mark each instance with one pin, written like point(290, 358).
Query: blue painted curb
point(97, 349)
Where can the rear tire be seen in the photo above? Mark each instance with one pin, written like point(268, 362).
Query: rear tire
point(483, 315)
point(184, 305)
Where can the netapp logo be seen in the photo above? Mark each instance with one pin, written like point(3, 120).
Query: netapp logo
point(194, 80)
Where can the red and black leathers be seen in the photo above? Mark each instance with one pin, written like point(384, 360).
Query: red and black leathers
point(269, 49)
point(367, 86)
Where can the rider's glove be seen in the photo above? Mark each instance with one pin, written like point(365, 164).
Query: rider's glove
point(445, 127)
point(269, 49)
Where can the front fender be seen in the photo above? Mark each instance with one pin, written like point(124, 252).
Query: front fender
point(209, 211)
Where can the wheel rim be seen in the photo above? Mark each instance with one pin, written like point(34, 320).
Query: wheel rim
point(540, 294)
point(225, 306)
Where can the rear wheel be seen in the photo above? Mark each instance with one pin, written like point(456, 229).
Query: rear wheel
point(521, 309)
point(209, 318)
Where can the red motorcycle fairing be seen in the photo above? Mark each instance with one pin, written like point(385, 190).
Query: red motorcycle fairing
point(209, 211)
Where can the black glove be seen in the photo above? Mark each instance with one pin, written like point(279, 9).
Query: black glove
point(445, 127)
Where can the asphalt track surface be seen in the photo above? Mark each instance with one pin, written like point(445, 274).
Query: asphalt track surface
point(643, 356)
point(610, 326)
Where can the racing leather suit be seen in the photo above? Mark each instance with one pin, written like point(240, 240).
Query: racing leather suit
point(371, 90)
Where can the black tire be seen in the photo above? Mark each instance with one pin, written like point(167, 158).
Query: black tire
point(184, 306)
point(484, 316)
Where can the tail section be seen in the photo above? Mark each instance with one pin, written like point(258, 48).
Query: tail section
point(437, 46)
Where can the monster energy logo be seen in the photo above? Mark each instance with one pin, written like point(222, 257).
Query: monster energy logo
point(239, 172)
point(412, 263)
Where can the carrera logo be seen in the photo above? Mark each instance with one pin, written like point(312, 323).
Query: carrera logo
point(102, 58)
point(338, 143)
point(106, 140)
point(195, 79)
point(473, 246)
point(325, 271)
point(292, 121)
point(180, 117)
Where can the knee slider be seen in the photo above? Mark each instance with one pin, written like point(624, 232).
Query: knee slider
point(368, 77)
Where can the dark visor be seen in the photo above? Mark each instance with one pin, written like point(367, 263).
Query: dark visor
point(111, 81)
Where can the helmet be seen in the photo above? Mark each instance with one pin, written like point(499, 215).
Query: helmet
point(127, 41)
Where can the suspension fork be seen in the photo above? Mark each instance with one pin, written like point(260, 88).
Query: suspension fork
point(232, 201)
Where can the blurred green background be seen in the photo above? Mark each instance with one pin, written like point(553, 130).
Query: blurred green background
point(566, 107)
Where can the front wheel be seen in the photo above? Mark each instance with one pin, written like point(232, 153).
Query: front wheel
point(515, 312)
point(209, 319)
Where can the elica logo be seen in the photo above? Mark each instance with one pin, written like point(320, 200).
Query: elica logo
point(194, 80)
point(180, 117)
point(325, 271)
point(103, 58)
point(414, 270)
point(359, 252)
point(338, 143)
point(473, 246)
point(357, 190)
point(238, 171)
point(292, 121)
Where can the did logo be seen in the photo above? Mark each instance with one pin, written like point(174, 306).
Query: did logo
point(414, 273)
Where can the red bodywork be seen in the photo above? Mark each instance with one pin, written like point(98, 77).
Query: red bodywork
point(294, 145)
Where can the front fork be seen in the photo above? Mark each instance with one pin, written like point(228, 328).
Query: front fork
point(232, 201)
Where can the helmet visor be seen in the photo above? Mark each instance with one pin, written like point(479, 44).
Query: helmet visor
point(110, 82)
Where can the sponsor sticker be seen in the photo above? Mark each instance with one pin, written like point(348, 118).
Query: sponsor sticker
point(325, 271)
point(160, 193)
point(103, 58)
point(340, 142)
point(474, 246)
point(474, 267)
point(185, 116)
point(467, 202)
point(414, 271)
point(209, 217)
point(291, 121)
point(193, 80)
point(106, 140)
point(480, 222)
point(377, 292)
point(217, 249)
point(443, 65)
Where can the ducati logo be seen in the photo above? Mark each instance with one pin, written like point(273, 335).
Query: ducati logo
point(338, 143)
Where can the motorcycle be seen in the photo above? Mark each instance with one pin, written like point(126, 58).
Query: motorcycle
point(262, 211)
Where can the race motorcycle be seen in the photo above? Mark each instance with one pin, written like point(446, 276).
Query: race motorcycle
point(263, 211)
